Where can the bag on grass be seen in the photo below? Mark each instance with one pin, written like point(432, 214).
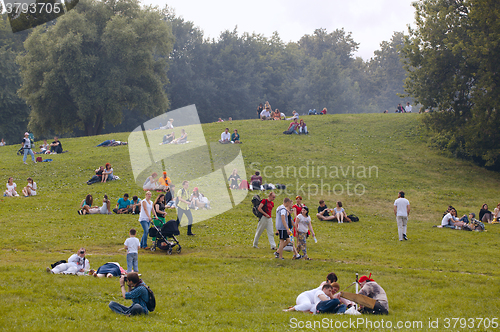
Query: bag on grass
point(353, 217)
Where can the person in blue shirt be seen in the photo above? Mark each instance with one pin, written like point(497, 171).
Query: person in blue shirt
point(122, 205)
point(235, 137)
point(137, 292)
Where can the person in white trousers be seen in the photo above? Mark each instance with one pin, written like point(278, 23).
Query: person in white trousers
point(402, 211)
point(77, 264)
point(265, 222)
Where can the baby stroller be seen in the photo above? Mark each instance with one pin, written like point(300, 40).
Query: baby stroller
point(161, 234)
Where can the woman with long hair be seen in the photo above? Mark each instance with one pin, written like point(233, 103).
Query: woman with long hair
point(159, 207)
point(30, 189)
point(86, 204)
point(107, 174)
point(11, 188)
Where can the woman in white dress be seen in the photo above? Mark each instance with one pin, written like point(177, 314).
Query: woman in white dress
point(30, 189)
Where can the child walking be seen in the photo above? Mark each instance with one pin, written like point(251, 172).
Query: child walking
point(132, 245)
point(303, 222)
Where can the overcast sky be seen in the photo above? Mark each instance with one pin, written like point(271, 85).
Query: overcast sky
point(370, 21)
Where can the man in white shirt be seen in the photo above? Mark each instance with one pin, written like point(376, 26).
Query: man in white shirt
point(225, 137)
point(408, 108)
point(402, 211)
point(265, 114)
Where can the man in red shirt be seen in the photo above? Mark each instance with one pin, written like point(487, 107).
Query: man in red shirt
point(266, 222)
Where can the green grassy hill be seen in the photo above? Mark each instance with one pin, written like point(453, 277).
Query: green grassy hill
point(220, 282)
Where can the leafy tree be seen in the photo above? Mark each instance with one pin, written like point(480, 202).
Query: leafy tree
point(96, 61)
point(453, 68)
point(14, 113)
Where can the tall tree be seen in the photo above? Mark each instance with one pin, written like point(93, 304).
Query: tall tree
point(98, 59)
point(14, 113)
point(452, 63)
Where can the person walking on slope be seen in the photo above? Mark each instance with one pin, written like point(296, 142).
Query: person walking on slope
point(402, 211)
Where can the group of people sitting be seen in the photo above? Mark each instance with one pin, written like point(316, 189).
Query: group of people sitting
point(29, 190)
point(226, 137)
point(297, 128)
point(336, 214)
point(326, 299)
point(103, 174)
point(170, 138)
point(54, 147)
point(469, 222)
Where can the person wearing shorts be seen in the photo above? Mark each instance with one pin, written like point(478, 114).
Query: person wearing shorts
point(282, 213)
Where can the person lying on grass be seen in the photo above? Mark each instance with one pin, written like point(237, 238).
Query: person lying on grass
point(307, 301)
point(77, 264)
point(87, 208)
point(110, 270)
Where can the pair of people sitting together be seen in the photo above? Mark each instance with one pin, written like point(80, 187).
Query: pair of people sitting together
point(338, 213)
point(296, 128)
point(226, 138)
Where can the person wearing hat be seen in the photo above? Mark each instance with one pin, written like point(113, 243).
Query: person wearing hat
point(26, 146)
point(373, 290)
point(402, 211)
point(164, 182)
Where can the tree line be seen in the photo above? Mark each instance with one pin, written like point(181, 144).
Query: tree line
point(107, 66)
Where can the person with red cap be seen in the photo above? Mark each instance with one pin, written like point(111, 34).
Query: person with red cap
point(373, 290)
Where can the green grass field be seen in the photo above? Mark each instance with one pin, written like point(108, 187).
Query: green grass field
point(219, 282)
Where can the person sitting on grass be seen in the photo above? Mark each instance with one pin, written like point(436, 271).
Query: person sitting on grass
point(104, 209)
point(233, 179)
point(151, 182)
point(303, 127)
point(496, 215)
point(2, 142)
point(122, 205)
point(295, 116)
point(107, 174)
point(235, 137)
point(56, 146)
point(198, 200)
point(182, 139)
point(77, 264)
point(11, 188)
point(324, 212)
point(485, 215)
point(277, 115)
point(135, 206)
point(225, 137)
point(323, 112)
point(167, 139)
point(164, 182)
point(450, 220)
point(256, 181)
point(373, 290)
point(44, 148)
point(292, 128)
point(30, 189)
point(137, 292)
point(97, 177)
point(339, 212)
point(86, 204)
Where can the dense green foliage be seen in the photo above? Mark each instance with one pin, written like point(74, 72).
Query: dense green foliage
point(452, 58)
point(14, 113)
point(219, 282)
point(229, 76)
point(95, 61)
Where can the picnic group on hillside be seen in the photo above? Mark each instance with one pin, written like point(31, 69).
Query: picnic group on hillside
point(265, 112)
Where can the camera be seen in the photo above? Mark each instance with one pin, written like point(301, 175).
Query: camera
point(125, 278)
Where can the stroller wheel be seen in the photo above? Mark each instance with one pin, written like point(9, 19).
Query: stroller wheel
point(169, 251)
point(179, 250)
point(153, 248)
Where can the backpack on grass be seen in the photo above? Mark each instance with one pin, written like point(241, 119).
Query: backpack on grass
point(255, 206)
point(353, 217)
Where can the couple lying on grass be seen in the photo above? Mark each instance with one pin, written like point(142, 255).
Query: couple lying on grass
point(326, 298)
